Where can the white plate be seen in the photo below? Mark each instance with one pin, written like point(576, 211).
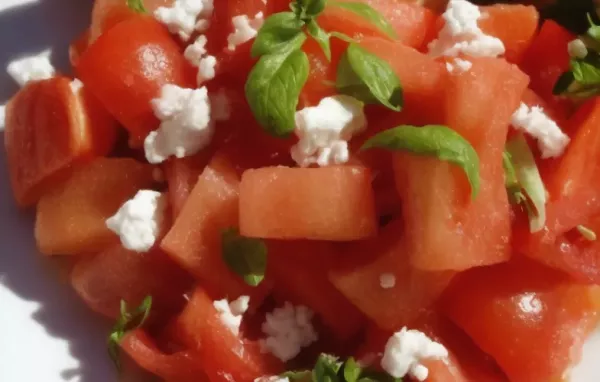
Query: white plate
point(46, 334)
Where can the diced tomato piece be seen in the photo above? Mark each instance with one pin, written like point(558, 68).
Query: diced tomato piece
point(51, 127)
point(516, 25)
point(299, 271)
point(445, 229)
point(194, 241)
point(180, 366)
point(127, 73)
point(506, 308)
point(546, 60)
point(332, 203)
point(117, 274)
point(362, 284)
point(412, 22)
point(223, 355)
point(71, 219)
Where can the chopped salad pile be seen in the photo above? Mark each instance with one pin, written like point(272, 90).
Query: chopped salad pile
point(323, 190)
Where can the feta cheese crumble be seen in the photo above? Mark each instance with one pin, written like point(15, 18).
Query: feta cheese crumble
point(324, 131)
point(288, 330)
point(406, 349)
point(195, 51)
point(245, 29)
point(231, 313)
point(138, 221)
point(577, 49)
point(206, 69)
point(32, 68)
point(76, 86)
point(181, 17)
point(458, 66)
point(186, 127)
point(2, 117)
point(461, 34)
point(272, 379)
point(552, 142)
point(387, 280)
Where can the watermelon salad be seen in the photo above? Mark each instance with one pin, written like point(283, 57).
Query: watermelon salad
point(323, 190)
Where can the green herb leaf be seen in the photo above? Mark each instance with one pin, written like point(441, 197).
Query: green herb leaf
point(137, 6)
point(352, 370)
point(586, 71)
point(278, 31)
point(321, 37)
point(369, 13)
point(365, 76)
point(529, 180)
point(515, 193)
point(343, 37)
point(432, 140)
point(126, 322)
point(593, 30)
point(273, 88)
point(587, 233)
point(326, 369)
point(245, 256)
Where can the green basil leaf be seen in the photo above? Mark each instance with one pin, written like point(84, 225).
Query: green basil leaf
point(343, 37)
point(432, 140)
point(530, 181)
point(278, 31)
point(365, 76)
point(594, 30)
point(352, 370)
point(273, 88)
point(298, 376)
point(586, 71)
point(369, 13)
point(312, 8)
point(126, 322)
point(321, 37)
point(245, 256)
point(511, 182)
point(137, 6)
point(587, 233)
point(326, 369)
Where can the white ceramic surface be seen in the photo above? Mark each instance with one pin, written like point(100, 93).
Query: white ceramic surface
point(46, 334)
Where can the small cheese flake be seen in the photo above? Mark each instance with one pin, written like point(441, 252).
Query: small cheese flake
point(31, 68)
point(194, 52)
point(272, 379)
point(76, 86)
point(2, 117)
point(387, 280)
point(577, 49)
point(245, 29)
point(231, 313)
point(181, 17)
point(458, 66)
point(206, 69)
point(552, 142)
point(405, 351)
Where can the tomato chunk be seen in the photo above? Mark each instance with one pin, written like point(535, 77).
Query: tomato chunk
point(506, 308)
point(71, 219)
point(446, 230)
point(127, 73)
point(333, 203)
point(51, 127)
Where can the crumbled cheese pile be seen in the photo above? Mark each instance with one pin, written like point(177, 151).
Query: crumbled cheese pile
point(288, 330)
point(231, 313)
point(32, 68)
point(462, 35)
point(458, 66)
point(197, 55)
point(245, 29)
point(406, 349)
point(551, 140)
point(324, 131)
point(182, 16)
point(139, 220)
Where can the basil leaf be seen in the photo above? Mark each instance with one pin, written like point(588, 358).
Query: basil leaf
point(126, 322)
point(245, 256)
point(352, 370)
point(515, 194)
point(137, 6)
point(432, 140)
point(369, 13)
point(298, 376)
point(586, 71)
point(278, 31)
point(321, 37)
point(326, 369)
point(594, 30)
point(587, 233)
point(343, 37)
point(530, 181)
point(368, 78)
point(273, 88)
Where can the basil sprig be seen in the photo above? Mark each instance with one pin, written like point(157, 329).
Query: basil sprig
point(247, 257)
point(274, 84)
point(432, 140)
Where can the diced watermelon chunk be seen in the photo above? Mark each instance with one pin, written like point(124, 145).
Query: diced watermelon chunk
point(329, 203)
point(506, 309)
point(182, 175)
point(361, 283)
point(445, 229)
point(71, 219)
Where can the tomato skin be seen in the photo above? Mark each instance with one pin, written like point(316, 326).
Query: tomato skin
point(125, 74)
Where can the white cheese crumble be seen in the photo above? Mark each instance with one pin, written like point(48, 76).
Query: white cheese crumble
point(272, 379)
point(31, 68)
point(206, 69)
point(387, 280)
point(324, 131)
point(406, 349)
point(577, 49)
point(552, 142)
point(231, 313)
point(461, 34)
point(458, 66)
point(76, 86)
point(181, 17)
point(138, 221)
point(2, 117)
point(288, 330)
point(186, 127)
point(195, 51)
point(220, 106)
point(245, 29)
